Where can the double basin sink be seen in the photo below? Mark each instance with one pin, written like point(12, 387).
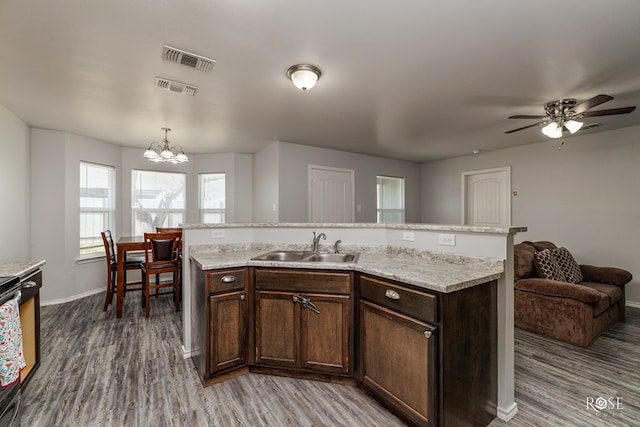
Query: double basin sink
point(306, 256)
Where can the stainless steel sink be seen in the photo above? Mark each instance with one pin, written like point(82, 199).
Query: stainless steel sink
point(328, 257)
point(283, 256)
point(305, 256)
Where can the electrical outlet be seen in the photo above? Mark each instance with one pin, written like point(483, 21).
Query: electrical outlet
point(217, 234)
point(409, 236)
point(447, 239)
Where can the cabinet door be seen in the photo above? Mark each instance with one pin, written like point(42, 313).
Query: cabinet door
point(397, 361)
point(227, 331)
point(325, 336)
point(277, 329)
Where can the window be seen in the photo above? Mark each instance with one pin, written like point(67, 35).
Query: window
point(390, 199)
point(157, 200)
point(211, 188)
point(97, 206)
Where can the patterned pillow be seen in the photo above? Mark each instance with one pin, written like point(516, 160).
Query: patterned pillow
point(547, 266)
point(568, 265)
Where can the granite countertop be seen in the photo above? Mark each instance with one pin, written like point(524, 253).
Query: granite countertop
point(434, 271)
point(19, 268)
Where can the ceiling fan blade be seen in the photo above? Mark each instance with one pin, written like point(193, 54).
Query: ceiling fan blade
point(525, 116)
point(524, 127)
point(590, 103)
point(611, 112)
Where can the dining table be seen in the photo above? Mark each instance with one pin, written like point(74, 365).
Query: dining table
point(124, 245)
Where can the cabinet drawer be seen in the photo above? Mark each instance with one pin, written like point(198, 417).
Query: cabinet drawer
point(303, 281)
point(419, 305)
point(224, 281)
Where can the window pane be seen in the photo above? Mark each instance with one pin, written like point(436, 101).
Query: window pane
point(390, 199)
point(211, 188)
point(97, 205)
point(157, 200)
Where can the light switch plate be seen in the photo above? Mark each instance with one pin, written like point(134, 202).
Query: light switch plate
point(447, 239)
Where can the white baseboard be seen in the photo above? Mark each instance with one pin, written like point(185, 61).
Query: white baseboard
point(71, 298)
point(632, 304)
point(507, 414)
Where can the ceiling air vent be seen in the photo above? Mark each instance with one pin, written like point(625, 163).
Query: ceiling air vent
point(183, 57)
point(174, 86)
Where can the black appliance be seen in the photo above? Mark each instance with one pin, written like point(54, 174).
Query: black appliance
point(9, 396)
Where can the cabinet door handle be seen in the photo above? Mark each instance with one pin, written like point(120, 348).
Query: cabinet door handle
point(228, 279)
point(242, 297)
point(29, 284)
point(391, 294)
point(427, 334)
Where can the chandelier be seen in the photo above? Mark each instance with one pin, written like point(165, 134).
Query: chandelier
point(164, 153)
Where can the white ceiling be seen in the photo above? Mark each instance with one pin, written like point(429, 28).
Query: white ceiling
point(409, 79)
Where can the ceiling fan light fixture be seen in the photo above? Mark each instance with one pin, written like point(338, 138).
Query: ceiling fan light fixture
point(304, 76)
point(573, 126)
point(552, 130)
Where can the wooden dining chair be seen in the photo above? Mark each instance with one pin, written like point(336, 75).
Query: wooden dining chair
point(174, 230)
point(130, 263)
point(161, 256)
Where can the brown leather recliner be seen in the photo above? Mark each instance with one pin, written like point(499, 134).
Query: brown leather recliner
point(576, 313)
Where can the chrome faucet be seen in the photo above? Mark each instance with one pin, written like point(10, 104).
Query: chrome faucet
point(316, 240)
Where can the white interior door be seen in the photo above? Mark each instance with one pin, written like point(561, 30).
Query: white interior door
point(487, 197)
point(331, 194)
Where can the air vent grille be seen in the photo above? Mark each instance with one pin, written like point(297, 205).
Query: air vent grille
point(189, 59)
point(174, 86)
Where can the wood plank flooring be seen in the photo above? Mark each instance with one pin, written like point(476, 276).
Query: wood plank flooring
point(99, 371)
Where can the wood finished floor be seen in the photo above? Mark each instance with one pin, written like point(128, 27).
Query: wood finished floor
point(99, 371)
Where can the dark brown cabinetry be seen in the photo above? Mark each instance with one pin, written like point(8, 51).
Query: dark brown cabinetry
point(303, 320)
point(431, 357)
point(223, 328)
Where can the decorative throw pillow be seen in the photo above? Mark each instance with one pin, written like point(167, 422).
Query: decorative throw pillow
point(568, 265)
point(547, 266)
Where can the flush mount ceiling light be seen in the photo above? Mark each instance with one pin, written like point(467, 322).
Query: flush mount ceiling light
point(304, 76)
point(165, 153)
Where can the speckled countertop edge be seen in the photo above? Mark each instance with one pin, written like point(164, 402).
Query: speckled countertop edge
point(415, 226)
point(434, 271)
point(19, 268)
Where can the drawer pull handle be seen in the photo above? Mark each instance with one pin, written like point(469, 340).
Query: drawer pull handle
point(392, 294)
point(29, 284)
point(427, 334)
point(228, 279)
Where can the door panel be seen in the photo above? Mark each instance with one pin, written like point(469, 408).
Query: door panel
point(227, 326)
point(487, 198)
point(330, 195)
point(325, 335)
point(277, 329)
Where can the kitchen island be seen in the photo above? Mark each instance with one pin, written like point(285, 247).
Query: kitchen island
point(408, 257)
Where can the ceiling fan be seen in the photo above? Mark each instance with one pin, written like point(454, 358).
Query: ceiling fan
point(565, 113)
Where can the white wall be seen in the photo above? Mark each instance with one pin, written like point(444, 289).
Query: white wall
point(266, 184)
point(584, 197)
point(293, 180)
point(55, 216)
point(14, 187)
